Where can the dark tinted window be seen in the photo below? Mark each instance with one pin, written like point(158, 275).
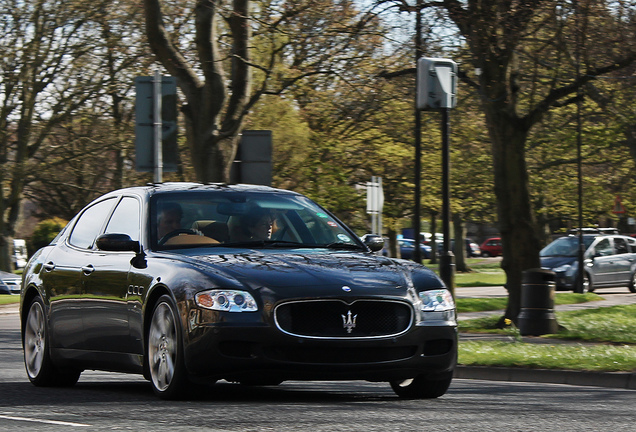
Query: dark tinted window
point(90, 223)
point(125, 219)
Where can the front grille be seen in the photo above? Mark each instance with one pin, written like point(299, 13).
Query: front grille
point(337, 319)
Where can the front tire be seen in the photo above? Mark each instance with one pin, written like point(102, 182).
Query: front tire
point(40, 368)
point(632, 283)
point(165, 351)
point(422, 386)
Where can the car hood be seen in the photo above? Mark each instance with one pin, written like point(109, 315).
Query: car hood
point(324, 270)
point(556, 261)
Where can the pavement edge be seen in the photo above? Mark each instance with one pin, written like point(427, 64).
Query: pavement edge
point(620, 380)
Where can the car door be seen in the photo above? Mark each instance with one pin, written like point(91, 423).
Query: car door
point(62, 277)
point(602, 262)
point(623, 260)
point(105, 299)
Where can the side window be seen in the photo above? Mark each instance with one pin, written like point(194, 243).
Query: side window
point(125, 219)
point(603, 248)
point(90, 223)
point(632, 245)
point(620, 245)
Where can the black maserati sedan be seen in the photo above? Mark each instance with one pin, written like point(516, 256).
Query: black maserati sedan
point(191, 283)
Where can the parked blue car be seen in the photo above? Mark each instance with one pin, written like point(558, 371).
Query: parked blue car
point(407, 249)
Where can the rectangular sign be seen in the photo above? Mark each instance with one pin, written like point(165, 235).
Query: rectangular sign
point(144, 124)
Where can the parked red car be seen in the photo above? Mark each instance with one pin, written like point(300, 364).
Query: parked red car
point(491, 247)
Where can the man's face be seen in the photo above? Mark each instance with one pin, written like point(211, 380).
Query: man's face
point(168, 221)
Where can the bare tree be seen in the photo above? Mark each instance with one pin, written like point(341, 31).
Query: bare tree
point(48, 72)
point(284, 35)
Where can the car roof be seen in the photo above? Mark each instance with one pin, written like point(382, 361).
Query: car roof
point(170, 187)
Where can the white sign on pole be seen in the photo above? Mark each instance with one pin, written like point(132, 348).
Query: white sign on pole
point(375, 202)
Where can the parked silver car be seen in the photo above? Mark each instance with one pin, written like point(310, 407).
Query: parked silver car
point(10, 283)
point(609, 261)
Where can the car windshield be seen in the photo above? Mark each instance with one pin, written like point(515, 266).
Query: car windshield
point(244, 219)
point(565, 246)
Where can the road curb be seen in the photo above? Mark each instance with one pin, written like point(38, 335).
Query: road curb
point(620, 380)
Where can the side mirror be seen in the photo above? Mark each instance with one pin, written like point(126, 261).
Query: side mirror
point(114, 242)
point(373, 242)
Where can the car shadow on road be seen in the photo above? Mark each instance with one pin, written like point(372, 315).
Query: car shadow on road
point(24, 393)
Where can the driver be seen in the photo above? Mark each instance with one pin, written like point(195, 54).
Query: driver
point(169, 219)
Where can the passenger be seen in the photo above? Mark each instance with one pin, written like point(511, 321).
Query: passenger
point(257, 225)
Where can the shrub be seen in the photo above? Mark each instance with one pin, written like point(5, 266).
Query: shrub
point(46, 231)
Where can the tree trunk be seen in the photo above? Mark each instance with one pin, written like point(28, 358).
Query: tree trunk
point(212, 155)
point(459, 248)
point(433, 242)
point(516, 222)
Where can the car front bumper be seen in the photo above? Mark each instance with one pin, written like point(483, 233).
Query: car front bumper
point(255, 352)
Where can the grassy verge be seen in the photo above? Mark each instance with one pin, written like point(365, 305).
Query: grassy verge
point(549, 356)
point(483, 273)
point(497, 303)
point(9, 299)
point(612, 328)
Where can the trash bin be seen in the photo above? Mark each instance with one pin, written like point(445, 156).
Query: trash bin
point(537, 303)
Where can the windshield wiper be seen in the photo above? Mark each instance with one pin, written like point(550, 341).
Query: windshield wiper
point(345, 246)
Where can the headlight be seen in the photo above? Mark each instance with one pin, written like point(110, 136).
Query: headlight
point(565, 268)
point(226, 300)
point(436, 307)
point(437, 300)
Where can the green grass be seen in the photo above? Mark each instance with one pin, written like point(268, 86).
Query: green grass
point(612, 328)
point(9, 299)
point(483, 273)
point(497, 303)
point(548, 356)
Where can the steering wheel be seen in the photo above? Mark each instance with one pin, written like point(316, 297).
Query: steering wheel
point(175, 233)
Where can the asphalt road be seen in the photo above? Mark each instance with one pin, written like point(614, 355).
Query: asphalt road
point(115, 402)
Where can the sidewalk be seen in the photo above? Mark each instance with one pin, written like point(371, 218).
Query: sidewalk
point(621, 380)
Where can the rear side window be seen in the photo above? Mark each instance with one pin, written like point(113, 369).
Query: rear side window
point(125, 219)
point(90, 223)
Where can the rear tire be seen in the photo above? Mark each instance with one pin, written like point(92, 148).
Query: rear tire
point(40, 368)
point(165, 351)
point(422, 386)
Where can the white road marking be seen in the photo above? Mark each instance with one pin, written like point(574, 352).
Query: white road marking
point(53, 422)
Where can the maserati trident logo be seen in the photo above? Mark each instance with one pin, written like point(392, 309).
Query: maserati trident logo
point(349, 321)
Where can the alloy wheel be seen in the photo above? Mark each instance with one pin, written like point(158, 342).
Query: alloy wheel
point(34, 340)
point(162, 346)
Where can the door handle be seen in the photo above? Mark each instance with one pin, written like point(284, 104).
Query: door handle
point(49, 266)
point(88, 269)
